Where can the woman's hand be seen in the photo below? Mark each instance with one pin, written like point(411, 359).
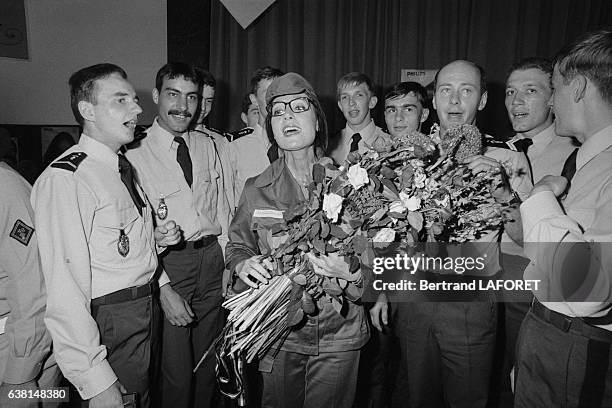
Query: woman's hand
point(252, 272)
point(332, 266)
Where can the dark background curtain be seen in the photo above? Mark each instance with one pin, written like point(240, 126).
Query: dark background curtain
point(324, 39)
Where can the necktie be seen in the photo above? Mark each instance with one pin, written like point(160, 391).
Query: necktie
point(127, 177)
point(184, 160)
point(569, 168)
point(355, 142)
point(522, 145)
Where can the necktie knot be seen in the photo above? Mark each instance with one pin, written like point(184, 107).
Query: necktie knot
point(180, 141)
point(355, 139)
point(522, 145)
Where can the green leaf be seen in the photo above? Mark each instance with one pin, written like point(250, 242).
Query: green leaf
point(324, 229)
point(337, 232)
point(318, 173)
point(415, 219)
point(319, 245)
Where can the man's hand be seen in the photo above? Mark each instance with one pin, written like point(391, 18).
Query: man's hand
point(479, 163)
point(332, 266)
point(6, 401)
point(168, 234)
point(109, 398)
point(379, 313)
point(225, 282)
point(177, 310)
point(556, 184)
point(253, 268)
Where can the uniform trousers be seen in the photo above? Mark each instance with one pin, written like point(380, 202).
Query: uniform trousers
point(196, 275)
point(562, 367)
point(311, 381)
point(130, 332)
point(447, 349)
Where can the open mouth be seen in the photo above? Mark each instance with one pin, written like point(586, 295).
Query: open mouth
point(519, 115)
point(354, 113)
point(291, 130)
point(130, 124)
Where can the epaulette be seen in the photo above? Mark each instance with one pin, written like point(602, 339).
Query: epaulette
point(215, 130)
point(70, 162)
point(490, 142)
point(237, 134)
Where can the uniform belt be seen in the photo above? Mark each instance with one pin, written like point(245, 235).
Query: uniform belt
point(567, 323)
point(125, 295)
point(200, 243)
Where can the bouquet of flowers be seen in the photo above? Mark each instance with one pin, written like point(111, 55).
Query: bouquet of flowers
point(408, 191)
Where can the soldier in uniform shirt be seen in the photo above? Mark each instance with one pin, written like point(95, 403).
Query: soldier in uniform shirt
point(25, 355)
point(528, 93)
point(249, 154)
point(563, 351)
point(99, 249)
point(249, 115)
point(178, 171)
point(355, 96)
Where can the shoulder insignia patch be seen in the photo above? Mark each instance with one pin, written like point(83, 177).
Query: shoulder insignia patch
point(70, 162)
point(237, 134)
point(490, 142)
point(22, 232)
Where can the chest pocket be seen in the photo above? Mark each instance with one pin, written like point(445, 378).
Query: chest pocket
point(121, 218)
point(268, 224)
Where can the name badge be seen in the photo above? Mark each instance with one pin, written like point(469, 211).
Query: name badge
point(162, 209)
point(123, 245)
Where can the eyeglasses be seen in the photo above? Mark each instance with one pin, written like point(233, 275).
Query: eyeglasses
point(297, 105)
point(392, 110)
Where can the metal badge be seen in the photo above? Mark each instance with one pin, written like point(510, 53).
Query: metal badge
point(162, 209)
point(123, 245)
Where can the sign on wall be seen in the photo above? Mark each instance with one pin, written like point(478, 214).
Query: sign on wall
point(13, 30)
point(422, 76)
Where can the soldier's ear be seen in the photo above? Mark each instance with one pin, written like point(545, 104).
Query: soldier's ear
point(244, 118)
point(373, 101)
point(155, 95)
point(483, 100)
point(424, 114)
point(86, 110)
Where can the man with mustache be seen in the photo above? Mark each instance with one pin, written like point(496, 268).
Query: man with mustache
point(177, 170)
point(98, 248)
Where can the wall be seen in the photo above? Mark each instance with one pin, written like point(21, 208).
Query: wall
point(66, 35)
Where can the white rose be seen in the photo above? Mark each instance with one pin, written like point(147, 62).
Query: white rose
point(385, 235)
point(411, 203)
point(357, 176)
point(444, 202)
point(419, 180)
point(332, 204)
point(397, 207)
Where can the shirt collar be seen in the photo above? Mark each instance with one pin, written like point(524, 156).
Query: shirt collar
point(367, 133)
point(594, 145)
point(271, 174)
point(544, 137)
point(162, 137)
point(99, 151)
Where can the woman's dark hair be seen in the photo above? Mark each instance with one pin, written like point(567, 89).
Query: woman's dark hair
point(320, 142)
